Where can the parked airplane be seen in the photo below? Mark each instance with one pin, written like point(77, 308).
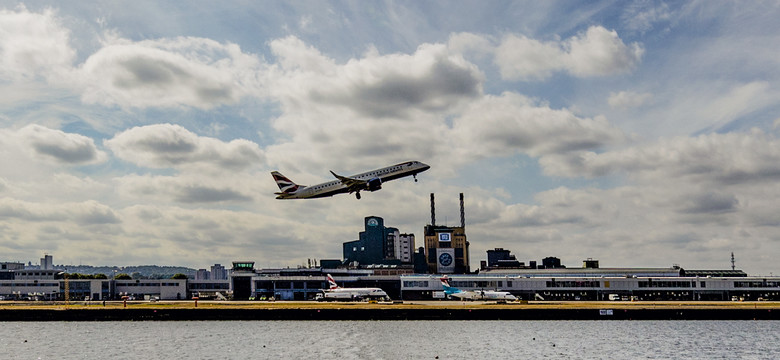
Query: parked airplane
point(450, 291)
point(336, 292)
point(370, 181)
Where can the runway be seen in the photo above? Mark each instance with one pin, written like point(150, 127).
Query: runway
point(416, 310)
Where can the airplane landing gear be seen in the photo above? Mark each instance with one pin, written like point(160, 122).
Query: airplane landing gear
point(357, 195)
point(415, 177)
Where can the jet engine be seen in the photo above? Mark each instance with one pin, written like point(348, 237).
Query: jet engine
point(374, 184)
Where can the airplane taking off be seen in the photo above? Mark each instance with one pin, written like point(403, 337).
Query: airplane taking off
point(369, 181)
point(336, 292)
point(450, 291)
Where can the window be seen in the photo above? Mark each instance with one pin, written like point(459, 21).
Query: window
point(415, 283)
point(574, 284)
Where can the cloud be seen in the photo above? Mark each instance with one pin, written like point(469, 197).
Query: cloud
point(182, 71)
point(195, 188)
point(82, 213)
point(643, 16)
point(628, 99)
point(375, 86)
point(60, 147)
point(333, 113)
point(168, 145)
point(722, 159)
point(33, 45)
point(511, 122)
point(597, 52)
point(204, 194)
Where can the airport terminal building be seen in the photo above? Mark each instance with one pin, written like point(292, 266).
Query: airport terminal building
point(248, 283)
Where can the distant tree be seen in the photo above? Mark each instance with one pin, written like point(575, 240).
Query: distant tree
point(123, 277)
point(100, 276)
point(179, 276)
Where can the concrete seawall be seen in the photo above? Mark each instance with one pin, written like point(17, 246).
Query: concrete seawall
point(179, 314)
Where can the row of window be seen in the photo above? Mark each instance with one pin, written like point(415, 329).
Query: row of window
point(477, 284)
point(148, 284)
point(332, 183)
point(666, 284)
point(209, 286)
point(382, 172)
point(573, 284)
point(29, 284)
point(289, 285)
point(756, 284)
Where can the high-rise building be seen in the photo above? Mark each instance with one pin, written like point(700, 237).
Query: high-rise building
point(379, 245)
point(202, 274)
point(404, 249)
point(218, 272)
point(47, 262)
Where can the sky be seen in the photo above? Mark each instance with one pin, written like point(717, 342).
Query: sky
point(639, 133)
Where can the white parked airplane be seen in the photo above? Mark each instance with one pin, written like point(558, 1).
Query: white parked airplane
point(370, 181)
point(450, 291)
point(336, 292)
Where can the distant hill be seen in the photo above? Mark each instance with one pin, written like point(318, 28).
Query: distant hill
point(137, 272)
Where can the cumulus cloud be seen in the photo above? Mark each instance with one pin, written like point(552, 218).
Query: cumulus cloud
point(184, 71)
point(59, 146)
point(512, 122)
point(83, 213)
point(33, 45)
point(718, 158)
point(431, 79)
point(596, 52)
point(188, 188)
point(393, 105)
point(168, 145)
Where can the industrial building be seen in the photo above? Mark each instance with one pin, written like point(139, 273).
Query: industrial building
point(447, 248)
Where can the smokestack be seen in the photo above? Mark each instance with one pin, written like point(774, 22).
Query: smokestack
point(433, 211)
point(462, 213)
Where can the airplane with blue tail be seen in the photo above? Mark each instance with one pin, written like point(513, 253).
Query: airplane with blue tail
point(453, 292)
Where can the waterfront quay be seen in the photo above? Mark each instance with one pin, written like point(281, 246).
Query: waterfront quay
point(415, 310)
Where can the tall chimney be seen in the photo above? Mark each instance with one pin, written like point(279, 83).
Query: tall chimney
point(433, 212)
point(462, 213)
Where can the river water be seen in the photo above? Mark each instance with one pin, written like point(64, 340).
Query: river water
point(391, 340)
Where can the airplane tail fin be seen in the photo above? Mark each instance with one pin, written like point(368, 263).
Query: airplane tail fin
point(332, 283)
point(445, 283)
point(286, 185)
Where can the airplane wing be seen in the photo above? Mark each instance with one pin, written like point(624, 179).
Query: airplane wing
point(351, 184)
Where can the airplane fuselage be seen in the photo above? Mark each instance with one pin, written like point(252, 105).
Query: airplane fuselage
point(354, 294)
point(367, 181)
point(483, 295)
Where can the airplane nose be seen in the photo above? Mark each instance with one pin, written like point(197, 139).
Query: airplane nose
point(425, 166)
